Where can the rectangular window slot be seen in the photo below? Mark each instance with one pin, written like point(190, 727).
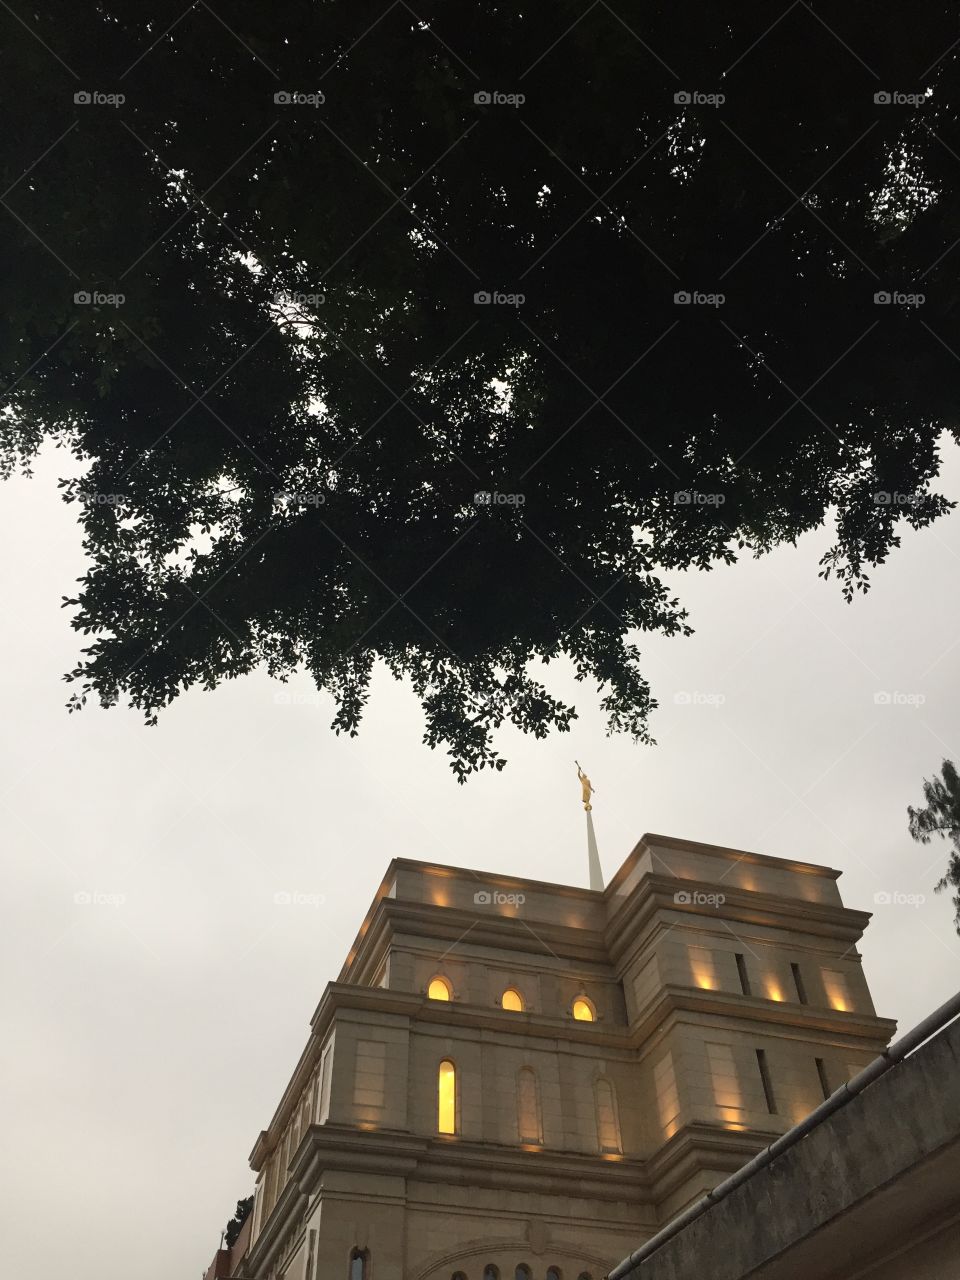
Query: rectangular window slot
point(744, 976)
point(798, 983)
point(824, 1083)
point(765, 1080)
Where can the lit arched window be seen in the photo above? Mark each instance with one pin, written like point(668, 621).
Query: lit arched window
point(447, 1097)
point(512, 1000)
point(528, 1106)
point(439, 989)
point(358, 1264)
point(490, 1272)
point(523, 1272)
point(583, 1010)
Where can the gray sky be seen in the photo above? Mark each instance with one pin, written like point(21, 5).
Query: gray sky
point(150, 1030)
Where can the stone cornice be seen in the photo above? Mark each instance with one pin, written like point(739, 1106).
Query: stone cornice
point(657, 893)
point(699, 1146)
point(451, 1161)
point(650, 840)
point(489, 928)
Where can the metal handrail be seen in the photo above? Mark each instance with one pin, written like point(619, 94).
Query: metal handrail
point(890, 1058)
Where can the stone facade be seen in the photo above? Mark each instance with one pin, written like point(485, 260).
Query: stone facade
point(872, 1192)
point(669, 1027)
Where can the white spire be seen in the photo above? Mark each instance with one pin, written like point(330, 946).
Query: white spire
point(593, 855)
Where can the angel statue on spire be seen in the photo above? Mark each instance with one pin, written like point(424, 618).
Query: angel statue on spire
point(587, 785)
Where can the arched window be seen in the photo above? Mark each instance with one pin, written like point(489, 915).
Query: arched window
point(583, 1010)
point(554, 1273)
point(584, 1275)
point(439, 989)
point(512, 1000)
point(458, 1275)
point(447, 1097)
point(528, 1106)
point(608, 1122)
point(490, 1272)
point(522, 1272)
point(359, 1269)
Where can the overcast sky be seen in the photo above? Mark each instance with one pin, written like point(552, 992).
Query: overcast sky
point(158, 996)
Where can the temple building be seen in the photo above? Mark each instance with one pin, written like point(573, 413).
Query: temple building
point(514, 1080)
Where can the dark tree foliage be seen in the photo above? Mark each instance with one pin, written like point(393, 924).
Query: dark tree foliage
point(292, 419)
point(235, 1224)
point(941, 816)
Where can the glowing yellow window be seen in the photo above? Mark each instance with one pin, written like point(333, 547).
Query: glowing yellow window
point(512, 1000)
point(583, 1010)
point(439, 989)
point(447, 1097)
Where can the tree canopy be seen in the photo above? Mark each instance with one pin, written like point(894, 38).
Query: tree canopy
point(437, 333)
point(940, 816)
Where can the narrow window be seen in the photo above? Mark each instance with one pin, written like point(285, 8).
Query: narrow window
point(798, 983)
point(311, 1255)
point(326, 1066)
point(528, 1106)
point(358, 1264)
point(458, 1275)
point(608, 1126)
point(522, 1272)
point(553, 1273)
point(765, 1079)
point(439, 989)
point(723, 1076)
point(490, 1272)
point(822, 1074)
point(512, 1000)
point(668, 1098)
point(583, 1010)
point(447, 1097)
point(744, 976)
point(584, 1275)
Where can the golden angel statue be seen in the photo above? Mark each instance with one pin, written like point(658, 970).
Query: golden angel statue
point(587, 786)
